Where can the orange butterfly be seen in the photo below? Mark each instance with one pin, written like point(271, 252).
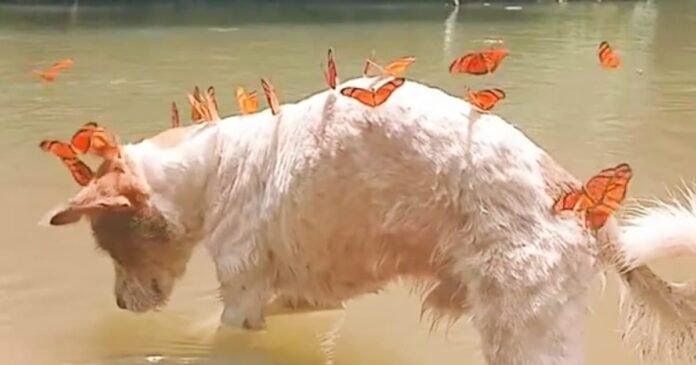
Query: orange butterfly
point(248, 102)
point(607, 57)
point(600, 197)
point(80, 172)
point(211, 104)
point(485, 100)
point(176, 121)
point(52, 72)
point(92, 138)
point(271, 97)
point(374, 98)
point(479, 63)
point(199, 110)
point(331, 75)
point(395, 68)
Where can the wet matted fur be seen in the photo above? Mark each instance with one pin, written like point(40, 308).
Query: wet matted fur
point(331, 199)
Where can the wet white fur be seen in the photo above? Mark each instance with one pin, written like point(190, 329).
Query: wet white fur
point(332, 199)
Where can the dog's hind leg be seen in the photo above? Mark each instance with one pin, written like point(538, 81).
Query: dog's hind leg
point(528, 301)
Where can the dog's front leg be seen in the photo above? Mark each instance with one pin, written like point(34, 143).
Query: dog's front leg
point(244, 296)
point(244, 291)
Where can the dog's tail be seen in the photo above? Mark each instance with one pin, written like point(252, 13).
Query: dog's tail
point(659, 316)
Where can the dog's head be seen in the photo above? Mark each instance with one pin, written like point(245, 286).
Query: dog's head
point(148, 255)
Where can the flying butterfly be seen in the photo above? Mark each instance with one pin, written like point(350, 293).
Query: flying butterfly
point(247, 101)
point(50, 74)
point(479, 63)
point(271, 97)
point(600, 197)
point(485, 100)
point(374, 98)
point(608, 58)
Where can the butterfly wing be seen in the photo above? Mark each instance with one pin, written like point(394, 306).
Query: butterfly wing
point(607, 57)
point(212, 105)
point(496, 54)
point(195, 113)
point(493, 57)
point(472, 63)
point(598, 185)
point(46, 76)
point(397, 67)
point(567, 201)
point(52, 72)
point(91, 138)
point(271, 98)
point(59, 149)
point(252, 102)
point(198, 112)
point(596, 218)
point(607, 190)
point(79, 171)
point(331, 74)
point(616, 191)
point(176, 121)
point(81, 141)
point(103, 145)
point(385, 91)
point(63, 64)
point(486, 99)
point(241, 100)
point(364, 96)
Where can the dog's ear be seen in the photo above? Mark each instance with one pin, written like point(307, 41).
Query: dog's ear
point(73, 211)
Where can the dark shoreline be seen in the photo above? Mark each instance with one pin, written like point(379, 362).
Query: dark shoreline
point(91, 3)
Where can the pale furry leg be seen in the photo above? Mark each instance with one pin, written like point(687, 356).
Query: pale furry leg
point(529, 325)
point(244, 298)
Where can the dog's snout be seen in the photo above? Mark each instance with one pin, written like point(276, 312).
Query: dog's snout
point(120, 303)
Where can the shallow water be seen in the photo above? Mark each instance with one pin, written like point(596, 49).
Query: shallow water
point(56, 305)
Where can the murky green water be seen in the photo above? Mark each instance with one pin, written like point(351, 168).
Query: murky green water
point(56, 305)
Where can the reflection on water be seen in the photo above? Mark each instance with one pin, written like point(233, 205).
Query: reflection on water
point(56, 304)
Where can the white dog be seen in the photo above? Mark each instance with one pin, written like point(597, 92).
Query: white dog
point(332, 199)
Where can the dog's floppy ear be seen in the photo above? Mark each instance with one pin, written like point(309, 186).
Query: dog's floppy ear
point(73, 211)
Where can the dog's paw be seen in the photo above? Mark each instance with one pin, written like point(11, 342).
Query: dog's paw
point(257, 325)
point(235, 319)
